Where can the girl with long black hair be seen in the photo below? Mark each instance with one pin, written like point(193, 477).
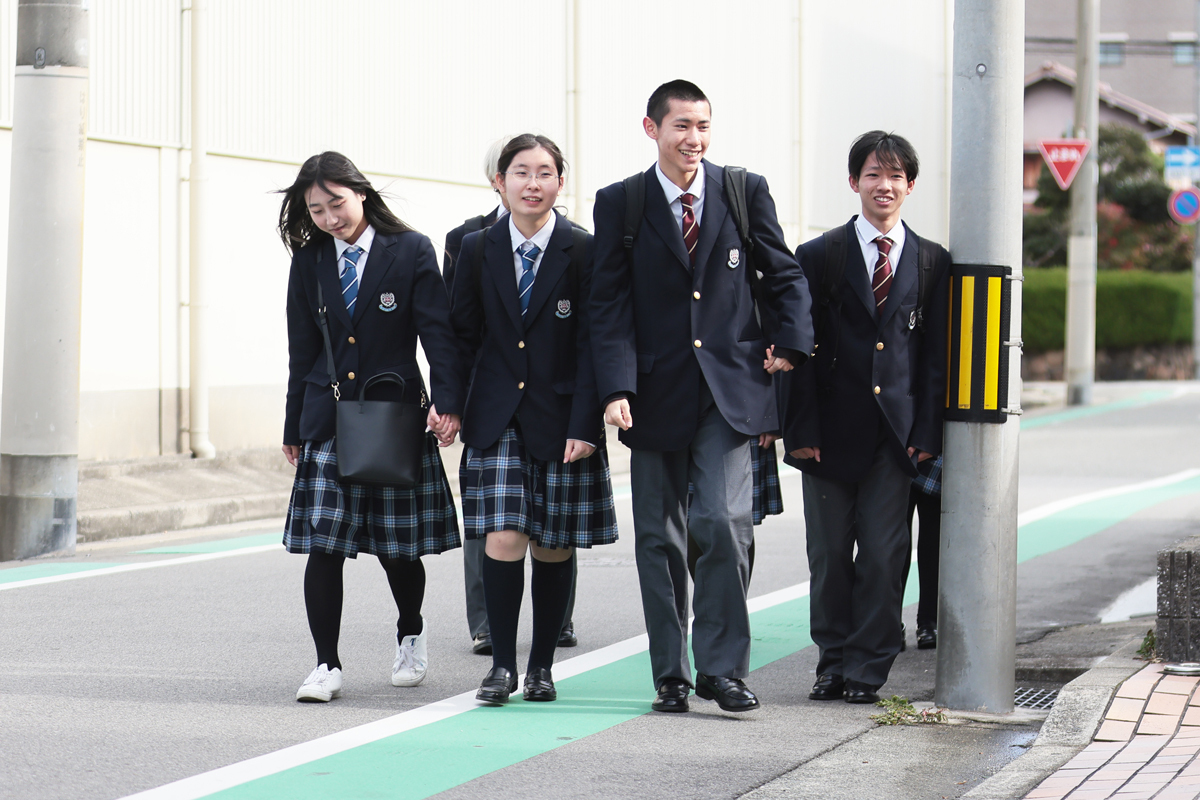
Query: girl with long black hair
point(381, 289)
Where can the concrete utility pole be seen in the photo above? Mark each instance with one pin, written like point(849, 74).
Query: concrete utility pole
point(976, 653)
point(1196, 230)
point(198, 276)
point(1081, 247)
point(39, 413)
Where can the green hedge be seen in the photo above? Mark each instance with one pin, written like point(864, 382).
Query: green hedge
point(1132, 308)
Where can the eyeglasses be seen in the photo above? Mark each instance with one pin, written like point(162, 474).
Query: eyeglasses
point(541, 177)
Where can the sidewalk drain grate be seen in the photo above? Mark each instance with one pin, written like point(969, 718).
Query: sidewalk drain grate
point(1036, 699)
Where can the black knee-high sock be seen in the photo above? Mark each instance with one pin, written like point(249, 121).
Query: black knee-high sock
point(407, 579)
point(550, 588)
point(323, 602)
point(503, 587)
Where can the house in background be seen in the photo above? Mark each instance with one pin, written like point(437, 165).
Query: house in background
point(1050, 111)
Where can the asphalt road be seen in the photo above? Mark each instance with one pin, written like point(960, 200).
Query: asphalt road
point(119, 682)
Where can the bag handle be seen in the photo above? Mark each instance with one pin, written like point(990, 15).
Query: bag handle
point(383, 377)
point(321, 318)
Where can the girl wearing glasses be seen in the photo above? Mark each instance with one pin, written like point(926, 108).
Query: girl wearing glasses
point(534, 474)
point(379, 284)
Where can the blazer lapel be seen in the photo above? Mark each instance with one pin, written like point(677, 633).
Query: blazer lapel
point(379, 260)
point(903, 277)
point(331, 285)
point(554, 264)
point(659, 215)
point(499, 267)
point(715, 211)
point(856, 270)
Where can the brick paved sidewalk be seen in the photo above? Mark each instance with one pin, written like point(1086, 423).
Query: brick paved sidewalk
point(1146, 746)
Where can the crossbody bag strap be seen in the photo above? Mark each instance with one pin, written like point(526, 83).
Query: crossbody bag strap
point(324, 323)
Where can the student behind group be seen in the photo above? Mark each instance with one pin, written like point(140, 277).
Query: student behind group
point(379, 281)
point(863, 412)
point(535, 472)
point(684, 370)
point(481, 634)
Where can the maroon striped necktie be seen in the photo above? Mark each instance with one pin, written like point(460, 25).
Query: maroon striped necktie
point(881, 281)
point(691, 231)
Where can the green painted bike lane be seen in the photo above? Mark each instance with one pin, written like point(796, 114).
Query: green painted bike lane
point(432, 758)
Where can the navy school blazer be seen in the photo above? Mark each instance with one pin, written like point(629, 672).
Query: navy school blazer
point(454, 242)
point(658, 324)
point(837, 408)
point(401, 296)
point(537, 369)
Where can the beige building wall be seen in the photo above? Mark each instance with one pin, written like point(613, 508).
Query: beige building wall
point(415, 95)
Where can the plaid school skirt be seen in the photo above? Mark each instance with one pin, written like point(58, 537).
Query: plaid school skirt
point(327, 516)
point(556, 505)
point(768, 498)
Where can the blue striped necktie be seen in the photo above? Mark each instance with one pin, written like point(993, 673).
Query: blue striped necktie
point(529, 253)
point(350, 277)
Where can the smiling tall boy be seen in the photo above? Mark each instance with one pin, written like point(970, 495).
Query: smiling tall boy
point(684, 369)
point(863, 411)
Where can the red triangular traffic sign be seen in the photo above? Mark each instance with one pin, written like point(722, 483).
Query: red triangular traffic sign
point(1065, 157)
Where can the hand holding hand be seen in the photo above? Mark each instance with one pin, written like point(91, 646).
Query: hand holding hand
point(765, 440)
point(922, 455)
point(773, 364)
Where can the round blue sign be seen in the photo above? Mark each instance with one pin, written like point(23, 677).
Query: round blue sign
point(1184, 206)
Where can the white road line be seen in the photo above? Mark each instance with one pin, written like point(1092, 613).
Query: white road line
point(1041, 512)
point(166, 562)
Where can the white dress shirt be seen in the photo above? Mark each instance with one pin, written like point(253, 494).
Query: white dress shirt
point(673, 194)
point(867, 234)
point(365, 239)
point(541, 239)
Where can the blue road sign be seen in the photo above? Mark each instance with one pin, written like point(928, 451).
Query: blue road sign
point(1182, 164)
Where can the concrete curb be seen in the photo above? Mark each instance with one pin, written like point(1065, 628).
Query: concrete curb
point(1068, 729)
point(116, 523)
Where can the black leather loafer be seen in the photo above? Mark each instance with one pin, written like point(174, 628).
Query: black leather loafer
point(829, 686)
point(567, 637)
point(927, 638)
point(539, 686)
point(497, 686)
point(481, 645)
point(861, 693)
point(730, 693)
point(672, 696)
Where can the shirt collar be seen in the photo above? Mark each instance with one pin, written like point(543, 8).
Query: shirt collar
point(673, 192)
point(364, 241)
point(541, 238)
point(868, 233)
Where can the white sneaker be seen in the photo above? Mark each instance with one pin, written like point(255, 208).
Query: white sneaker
point(412, 659)
point(322, 685)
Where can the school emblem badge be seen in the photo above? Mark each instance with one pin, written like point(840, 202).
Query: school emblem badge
point(912, 319)
point(564, 309)
point(735, 258)
point(387, 302)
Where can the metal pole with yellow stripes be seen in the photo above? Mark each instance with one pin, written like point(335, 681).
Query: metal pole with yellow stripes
point(978, 571)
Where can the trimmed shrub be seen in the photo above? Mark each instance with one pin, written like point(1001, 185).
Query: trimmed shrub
point(1132, 308)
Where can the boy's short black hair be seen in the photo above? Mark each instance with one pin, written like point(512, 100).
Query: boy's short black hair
point(660, 101)
point(892, 150)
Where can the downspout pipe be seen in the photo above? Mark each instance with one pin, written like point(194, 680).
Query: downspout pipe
point(197, 229)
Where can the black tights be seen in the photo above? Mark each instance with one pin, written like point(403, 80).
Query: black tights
point(323, 600)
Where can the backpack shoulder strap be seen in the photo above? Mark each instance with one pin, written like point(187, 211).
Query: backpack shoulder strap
point(477, 261)
point(927, 253)
point(735, 188)
point(473, 224)
point(635, 202)
point(831, 280)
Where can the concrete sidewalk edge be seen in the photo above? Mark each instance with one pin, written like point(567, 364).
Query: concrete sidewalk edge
point(1073, 721)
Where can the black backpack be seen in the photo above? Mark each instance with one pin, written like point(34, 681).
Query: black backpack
point(735, 189)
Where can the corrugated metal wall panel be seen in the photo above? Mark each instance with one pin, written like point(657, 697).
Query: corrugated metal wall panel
point(400, 87)
point(135, 71)
point(8, 57)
